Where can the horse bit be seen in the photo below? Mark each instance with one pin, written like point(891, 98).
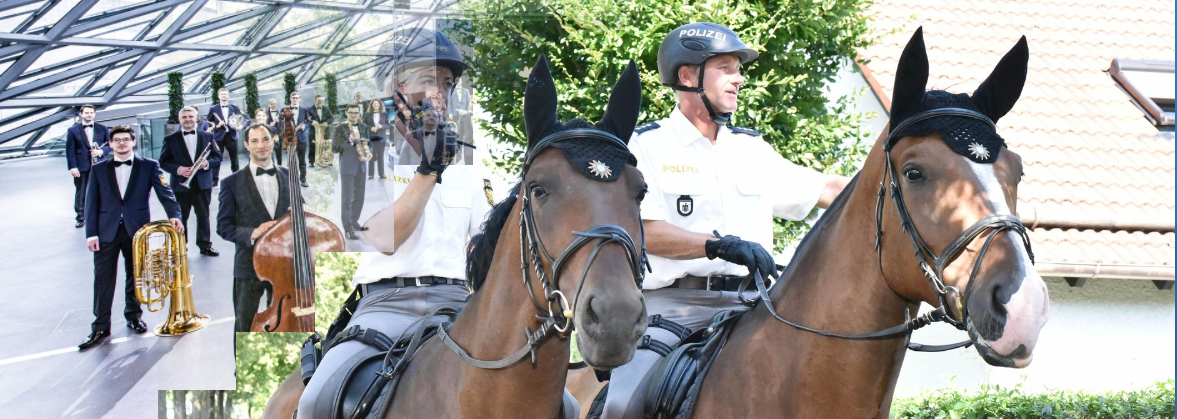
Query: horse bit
point(559, 310)
point(931, 264)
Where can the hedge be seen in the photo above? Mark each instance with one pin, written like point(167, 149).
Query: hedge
point(1155, 401)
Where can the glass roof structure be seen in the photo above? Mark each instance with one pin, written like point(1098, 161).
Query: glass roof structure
point(56, 55)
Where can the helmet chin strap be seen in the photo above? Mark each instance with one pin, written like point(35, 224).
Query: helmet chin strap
point(721, 119)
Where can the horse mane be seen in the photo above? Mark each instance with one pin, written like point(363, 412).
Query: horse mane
point(833, 212)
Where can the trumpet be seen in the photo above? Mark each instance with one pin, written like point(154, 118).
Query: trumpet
point(196, 166)
point(163, 272)
point(95, 146)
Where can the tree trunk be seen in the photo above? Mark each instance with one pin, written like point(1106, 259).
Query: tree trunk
point(161, 404)
point(180, 404)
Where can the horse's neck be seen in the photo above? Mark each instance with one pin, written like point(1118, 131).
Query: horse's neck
point(492, 327)
point(834, 283)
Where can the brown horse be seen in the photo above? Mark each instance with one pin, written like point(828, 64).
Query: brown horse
point(943, 184)
point(527, 299)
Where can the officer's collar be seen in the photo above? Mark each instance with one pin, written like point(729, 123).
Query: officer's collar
point(684, 129)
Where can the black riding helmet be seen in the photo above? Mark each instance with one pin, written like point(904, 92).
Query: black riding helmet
point(418, 47)
point(694, 44)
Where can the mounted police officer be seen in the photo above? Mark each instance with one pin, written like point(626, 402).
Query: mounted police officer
point(706, 177)
point(421, 265)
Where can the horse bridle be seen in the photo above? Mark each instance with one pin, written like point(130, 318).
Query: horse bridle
point(558, 311)
point(931, 264)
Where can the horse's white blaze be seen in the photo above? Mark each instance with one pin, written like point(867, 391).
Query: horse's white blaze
point(1028, 308)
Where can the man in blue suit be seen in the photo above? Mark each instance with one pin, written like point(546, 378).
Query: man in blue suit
point(84, 142)
point(225, 135)
point(180, 150)
point(302, 121)
point(252, 200)
point(116, 207)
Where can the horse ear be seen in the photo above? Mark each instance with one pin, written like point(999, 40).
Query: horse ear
point(621, 116)
point(911, 78)
point(539, 101)
point(1000, 91)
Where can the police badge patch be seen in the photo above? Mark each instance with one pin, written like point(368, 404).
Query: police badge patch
point(163, 179)
point(686, 205)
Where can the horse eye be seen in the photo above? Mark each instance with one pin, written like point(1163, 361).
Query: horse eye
point(913, 175)
point(538, 191)
point(642, 194)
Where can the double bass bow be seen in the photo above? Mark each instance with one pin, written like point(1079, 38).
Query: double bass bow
point(284, 255)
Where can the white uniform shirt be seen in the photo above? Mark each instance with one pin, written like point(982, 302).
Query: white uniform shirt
point(735, 186)
point(437, 247)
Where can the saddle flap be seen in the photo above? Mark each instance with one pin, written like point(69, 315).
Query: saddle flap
point(675, 383)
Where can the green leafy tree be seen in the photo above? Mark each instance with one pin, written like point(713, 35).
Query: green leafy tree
point(216, 82)
point(252, 103)
point(289, 84)
point(803, 46)
point(332, 93)
point(175, 96)
point(1155, 401)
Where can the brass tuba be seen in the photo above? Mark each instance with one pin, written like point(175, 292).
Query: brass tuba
point(323, 153)
point(162, 272)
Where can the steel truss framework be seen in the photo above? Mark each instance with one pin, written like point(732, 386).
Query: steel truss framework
point(159, 28)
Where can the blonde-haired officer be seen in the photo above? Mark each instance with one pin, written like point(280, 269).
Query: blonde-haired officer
point(705, 176)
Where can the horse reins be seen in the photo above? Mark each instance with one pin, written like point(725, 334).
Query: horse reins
point(931, 264)
point(559, 310)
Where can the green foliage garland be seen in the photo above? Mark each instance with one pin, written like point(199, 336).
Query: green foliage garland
point(216, 82)
point(175, 96)
point(803, 46)
point(252, 103)
point(289, 81)
point(1156, 401)
point(332, 93)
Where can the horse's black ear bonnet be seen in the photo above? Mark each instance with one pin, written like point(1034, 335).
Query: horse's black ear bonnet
point(600, 151)
point(967, 124)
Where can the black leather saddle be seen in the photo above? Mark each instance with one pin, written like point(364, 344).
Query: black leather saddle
point(363, 385)
point(673, 386)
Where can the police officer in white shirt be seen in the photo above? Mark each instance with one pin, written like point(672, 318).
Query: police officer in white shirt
point(421, 237)
point(705, 176)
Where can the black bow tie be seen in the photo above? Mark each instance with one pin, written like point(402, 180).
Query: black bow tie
point(186, 133)
point(120, 163)
point(260, 171)
point(87, 126)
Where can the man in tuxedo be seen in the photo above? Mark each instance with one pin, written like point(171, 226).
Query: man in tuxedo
point(116, 208)
point(251, 201)
point(351, 170)
point(180, 150)
point(320, 114)
point(272, 118)
point(302, 122)
point(84, 142)
point(225, 135)
point(360, 103)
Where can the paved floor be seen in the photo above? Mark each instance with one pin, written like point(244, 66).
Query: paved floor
point(46, 279)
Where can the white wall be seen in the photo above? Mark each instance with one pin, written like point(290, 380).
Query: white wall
point(1110, 334)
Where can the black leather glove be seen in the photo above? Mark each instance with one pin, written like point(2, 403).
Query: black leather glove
point(434, 162)
point(742, 252)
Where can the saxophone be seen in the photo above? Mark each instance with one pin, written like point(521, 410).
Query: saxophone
point(161, 272)
point(361, 145)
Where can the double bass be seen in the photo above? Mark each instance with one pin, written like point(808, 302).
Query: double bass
point(283, 256)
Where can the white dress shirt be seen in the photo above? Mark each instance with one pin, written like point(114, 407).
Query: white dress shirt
point(89, 134)
point(224, 113)
point(734, 186)
point(437, 247)
point(190, 141)
point(267, 186)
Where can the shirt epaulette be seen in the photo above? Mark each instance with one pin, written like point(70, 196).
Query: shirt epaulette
point(649, 126)
point(745, 131)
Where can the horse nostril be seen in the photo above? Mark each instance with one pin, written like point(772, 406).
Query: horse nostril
point(589, 312)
